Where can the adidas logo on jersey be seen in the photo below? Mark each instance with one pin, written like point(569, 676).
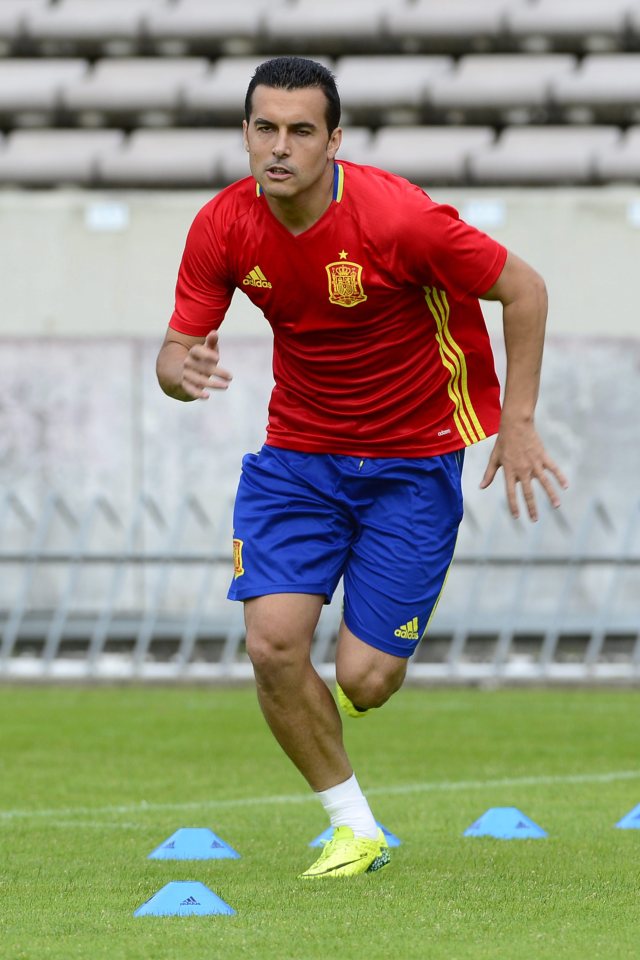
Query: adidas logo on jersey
point(256, 278)
point(408, 631)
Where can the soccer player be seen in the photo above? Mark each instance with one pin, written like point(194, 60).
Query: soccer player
point(383, 376)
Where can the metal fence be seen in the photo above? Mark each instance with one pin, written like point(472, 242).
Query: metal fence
point(95, 592)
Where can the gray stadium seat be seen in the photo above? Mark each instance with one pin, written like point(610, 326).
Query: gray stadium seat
point(539, 155)
point(174, 157)
point(343, 25)
point(582, 24)
point(12, 20)
point(633, 22)
point(621, 160)
point(493, 85)
point(203, 23)
point(445, 24)
point(605, 85)
point(47, 157)
point(371, 86)
point(28, 85)
point(134, 85)
point(80, 23)
point(428, 154)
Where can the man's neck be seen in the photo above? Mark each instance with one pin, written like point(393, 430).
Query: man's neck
point(299, 213)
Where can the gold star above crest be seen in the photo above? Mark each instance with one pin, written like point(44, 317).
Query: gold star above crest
point(343, 254)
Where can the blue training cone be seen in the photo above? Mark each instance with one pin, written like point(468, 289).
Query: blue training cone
point(183, 898)
point(505, 823)
point(631, 821)
point(391, 838)
point(194, 843)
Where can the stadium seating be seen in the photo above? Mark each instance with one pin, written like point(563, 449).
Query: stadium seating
point(428, 154)
point(204, 26)
point(87, 26)
point(32, 86)
point(128, 89)
point(333, 24)
point(50, 157)
point(603, 87)
point(440, 90)
point(542, 155)
point(621, 160)
point(175, 157)
point(573, 24)
point(456, 25)
point(378, 87)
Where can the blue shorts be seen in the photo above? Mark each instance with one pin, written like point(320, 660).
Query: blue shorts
point(387, 525)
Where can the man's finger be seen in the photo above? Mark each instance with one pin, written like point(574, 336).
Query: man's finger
point(490, 472)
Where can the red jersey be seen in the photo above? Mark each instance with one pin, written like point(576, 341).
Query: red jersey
point(380, 347)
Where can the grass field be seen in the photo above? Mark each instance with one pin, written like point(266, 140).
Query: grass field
point(92, 780)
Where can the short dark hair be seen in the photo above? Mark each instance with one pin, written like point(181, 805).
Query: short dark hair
point(295, 73)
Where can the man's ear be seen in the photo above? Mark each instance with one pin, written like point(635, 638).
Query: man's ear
point(245, 127)
point(334, 143)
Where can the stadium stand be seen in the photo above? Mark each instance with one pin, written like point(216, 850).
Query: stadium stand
point(382, 87)
point(603, 87)
point(471, 78)
point(457, 26)
point(429, 154)
point(49, 157)
point(542, 155)
point(88, 26)
point(621, 160)
point(492, 86)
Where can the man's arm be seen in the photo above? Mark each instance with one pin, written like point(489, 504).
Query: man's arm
point(518, 448)
point(188, 367)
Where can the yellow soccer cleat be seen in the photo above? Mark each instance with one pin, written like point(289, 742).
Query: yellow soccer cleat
point(347, 706)
point(348, 856)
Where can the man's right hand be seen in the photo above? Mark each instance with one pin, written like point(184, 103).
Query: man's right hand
point(188, 368)
point(201, 371)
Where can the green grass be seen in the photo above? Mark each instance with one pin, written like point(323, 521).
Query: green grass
point(92, 780)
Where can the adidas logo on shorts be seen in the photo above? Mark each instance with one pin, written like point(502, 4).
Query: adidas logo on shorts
point(408, 631)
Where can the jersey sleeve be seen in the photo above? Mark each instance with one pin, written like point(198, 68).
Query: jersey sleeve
point(445, 251)
point(203, 289)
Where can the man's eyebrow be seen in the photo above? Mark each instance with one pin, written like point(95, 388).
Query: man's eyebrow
point(292, 126)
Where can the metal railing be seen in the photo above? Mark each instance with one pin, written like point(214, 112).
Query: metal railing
point(96, 592)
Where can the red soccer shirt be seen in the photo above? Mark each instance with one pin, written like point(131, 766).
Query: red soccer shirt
point(380, 346)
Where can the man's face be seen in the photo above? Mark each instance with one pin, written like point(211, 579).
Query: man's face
point(288, 142)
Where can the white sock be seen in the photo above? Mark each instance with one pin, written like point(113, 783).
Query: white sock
point(347, 807)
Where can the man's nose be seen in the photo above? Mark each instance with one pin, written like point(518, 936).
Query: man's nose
point(281, 146)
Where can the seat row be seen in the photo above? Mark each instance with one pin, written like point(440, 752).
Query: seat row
point(327, 26)
point(502, 88)
point(432, 155)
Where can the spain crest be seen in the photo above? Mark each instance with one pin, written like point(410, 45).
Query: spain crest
point(345, 283)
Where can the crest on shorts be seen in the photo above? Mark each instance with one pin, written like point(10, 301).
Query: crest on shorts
point(345, 283)
point(238, 569)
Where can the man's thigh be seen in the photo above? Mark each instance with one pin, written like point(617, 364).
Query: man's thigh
point(398, 565)
point(290, 535)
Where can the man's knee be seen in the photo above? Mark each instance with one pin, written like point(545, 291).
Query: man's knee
point(370, 685)
point(279, 630)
